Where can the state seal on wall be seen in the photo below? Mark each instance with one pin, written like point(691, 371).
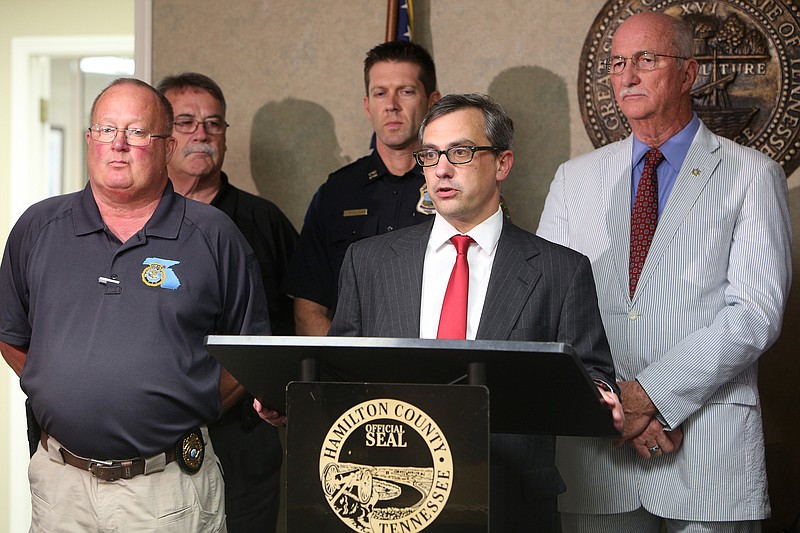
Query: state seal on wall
point(748, 84)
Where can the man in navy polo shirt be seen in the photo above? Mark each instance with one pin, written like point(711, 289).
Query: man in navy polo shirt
point(106, 296)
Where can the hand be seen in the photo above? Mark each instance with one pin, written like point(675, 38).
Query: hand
point(270, 416)
point(639, 409)
point(654, 435)
point(611, 400)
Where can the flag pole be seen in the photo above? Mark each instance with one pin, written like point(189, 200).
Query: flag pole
point(391, 20)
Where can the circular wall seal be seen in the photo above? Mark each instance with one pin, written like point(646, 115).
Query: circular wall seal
point(748, 85)
point(385, 465)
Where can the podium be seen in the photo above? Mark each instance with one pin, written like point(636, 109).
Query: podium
point(389, 434)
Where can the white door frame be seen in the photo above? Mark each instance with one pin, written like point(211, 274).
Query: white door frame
point(29, 85)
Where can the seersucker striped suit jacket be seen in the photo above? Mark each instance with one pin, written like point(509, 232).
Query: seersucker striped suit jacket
point(709, 302)
point(538, 291)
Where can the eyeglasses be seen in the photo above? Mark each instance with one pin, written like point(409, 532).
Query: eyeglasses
point(212, 126)
point(457, 155)
point(133, 136)
point(643, 60)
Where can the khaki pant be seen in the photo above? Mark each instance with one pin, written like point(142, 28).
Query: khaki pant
point(66, 499)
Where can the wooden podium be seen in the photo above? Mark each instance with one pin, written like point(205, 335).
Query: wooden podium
point(389, 434)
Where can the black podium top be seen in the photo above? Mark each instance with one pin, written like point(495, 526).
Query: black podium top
point(534, 387)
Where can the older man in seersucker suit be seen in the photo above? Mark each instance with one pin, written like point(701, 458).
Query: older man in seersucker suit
point(688, 324)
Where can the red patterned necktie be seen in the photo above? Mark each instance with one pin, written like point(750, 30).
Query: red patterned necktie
point(453, 320)
point(644, 216)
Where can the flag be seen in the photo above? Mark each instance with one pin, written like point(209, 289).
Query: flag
point(399, 20)
point(405, 22)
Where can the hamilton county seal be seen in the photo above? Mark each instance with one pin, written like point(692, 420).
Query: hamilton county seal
point(385, 465)
point(748, 84)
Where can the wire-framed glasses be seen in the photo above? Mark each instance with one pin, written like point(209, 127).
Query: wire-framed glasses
point(642, 60)
point(106, 133)
point(213, 126)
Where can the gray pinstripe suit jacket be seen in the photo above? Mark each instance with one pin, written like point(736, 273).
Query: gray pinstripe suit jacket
point(538, 291)
point(709, 301)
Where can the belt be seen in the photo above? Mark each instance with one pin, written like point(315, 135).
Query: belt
point(106, 470)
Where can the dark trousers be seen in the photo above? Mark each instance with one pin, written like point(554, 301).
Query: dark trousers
point(524, 484)
point(251, 455)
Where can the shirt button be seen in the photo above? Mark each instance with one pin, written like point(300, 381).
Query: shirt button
point(394, 191)
point(633, 315)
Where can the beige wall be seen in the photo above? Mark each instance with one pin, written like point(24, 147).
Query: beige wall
point(294, 84)
point(292, 75)
point(37, 18)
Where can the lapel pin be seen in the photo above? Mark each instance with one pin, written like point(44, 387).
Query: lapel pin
point(695, 172)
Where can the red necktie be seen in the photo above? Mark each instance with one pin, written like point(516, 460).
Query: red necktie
point(644, 216)
point(453, 320)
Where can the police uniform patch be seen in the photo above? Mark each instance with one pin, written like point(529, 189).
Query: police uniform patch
point(425, 204)
point(158, 273)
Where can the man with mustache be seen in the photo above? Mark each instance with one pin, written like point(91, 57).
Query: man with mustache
point(520, 288)
point(250, 451)
point(689, 237)
point(376, 194)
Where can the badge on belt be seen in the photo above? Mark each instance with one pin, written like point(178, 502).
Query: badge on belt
point(190, 450)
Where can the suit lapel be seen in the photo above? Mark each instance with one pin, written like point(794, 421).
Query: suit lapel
point(692, 179)
point(404, 270)
point(616, 176)
point(510, 285)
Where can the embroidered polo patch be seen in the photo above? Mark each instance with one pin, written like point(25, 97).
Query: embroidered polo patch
point(158, 273)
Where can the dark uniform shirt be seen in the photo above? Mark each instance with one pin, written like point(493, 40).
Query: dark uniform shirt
point(116, 365)
point(249, 448)
point(272, 237)
point(359, 200)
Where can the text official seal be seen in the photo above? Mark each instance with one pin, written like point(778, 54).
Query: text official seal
point(748, 84)
point(385, 465)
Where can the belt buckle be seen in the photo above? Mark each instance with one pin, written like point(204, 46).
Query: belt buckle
point(104, 470)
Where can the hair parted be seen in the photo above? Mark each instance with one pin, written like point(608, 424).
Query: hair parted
point(498, 126)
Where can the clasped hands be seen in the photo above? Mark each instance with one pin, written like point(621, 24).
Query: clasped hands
point(642, 430)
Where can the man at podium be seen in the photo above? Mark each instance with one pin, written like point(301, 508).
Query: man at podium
point(471, 274)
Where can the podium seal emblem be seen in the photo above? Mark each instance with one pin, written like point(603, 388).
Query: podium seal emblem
point(748, 84)
point(385, 465)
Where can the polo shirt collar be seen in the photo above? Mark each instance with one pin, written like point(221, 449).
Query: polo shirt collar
point(166, 220)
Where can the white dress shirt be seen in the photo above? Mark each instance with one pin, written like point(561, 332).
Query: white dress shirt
point(440, 256)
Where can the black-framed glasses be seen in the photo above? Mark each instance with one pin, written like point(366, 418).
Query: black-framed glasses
point(106, 133)
point(457, 155)
point(642, 60)
point(213, 126)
